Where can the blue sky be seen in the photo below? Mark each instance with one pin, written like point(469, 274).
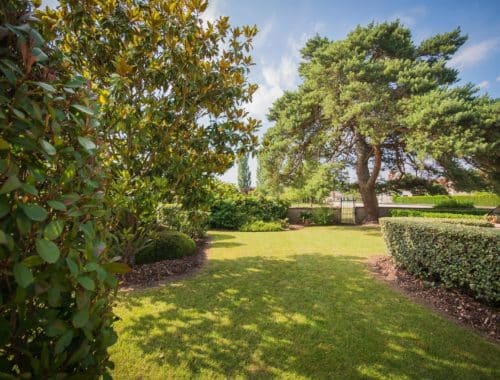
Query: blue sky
point(285, 26)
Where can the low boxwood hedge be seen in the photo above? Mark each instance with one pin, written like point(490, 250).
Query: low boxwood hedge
point(261, 226)
point(447, 252)
point(166, 245)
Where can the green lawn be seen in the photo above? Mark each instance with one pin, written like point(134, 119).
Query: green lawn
point(291, 305)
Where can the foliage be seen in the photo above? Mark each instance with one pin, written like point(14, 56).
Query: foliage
point(323, 216)
point(172, 89)
point(376, 100)
point(454, 204)
point(235, 212)
point(454, 255)
point(244, 176)
point(264, 292)
point(166, 245)
point(261, 226)
point(416, 185)
point(478, 199)
point(476, 214)
point(191, 222)
point(314, 184)
point(55, 276)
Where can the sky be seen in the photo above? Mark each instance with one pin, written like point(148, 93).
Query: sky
point(285, 25)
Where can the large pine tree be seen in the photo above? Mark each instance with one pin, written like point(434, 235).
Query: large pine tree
point(376, 100)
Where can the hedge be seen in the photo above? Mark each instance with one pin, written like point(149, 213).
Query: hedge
point(477, 214)
point(447, 252)
point(235, 212)
point(167, 245)
point(261, 226)
point(478, 199)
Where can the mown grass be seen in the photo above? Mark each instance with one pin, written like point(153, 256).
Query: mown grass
point(293, 305)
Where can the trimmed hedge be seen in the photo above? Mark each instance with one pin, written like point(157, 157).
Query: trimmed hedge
point(478, 199)
point(447, 252)
point(261, 226)
point(233, 213)
point(167, 245)
point(438, 214)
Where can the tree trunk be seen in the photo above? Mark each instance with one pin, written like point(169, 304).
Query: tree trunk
point(367, 180)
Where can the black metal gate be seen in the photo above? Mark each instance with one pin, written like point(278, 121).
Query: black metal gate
point(347, 211)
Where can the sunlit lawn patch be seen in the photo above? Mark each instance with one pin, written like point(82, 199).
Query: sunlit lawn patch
point(296, 304)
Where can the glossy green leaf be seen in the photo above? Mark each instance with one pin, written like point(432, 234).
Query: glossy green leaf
point(47, 87)
point(39, 55)
point(47, 250)
point(81, 317)
point(23, 275)
point(86, 282)
point(83, 109)
point(53, 230)
point(63, 342)
point(76, 82)
point(86, 143)
point(30, 189)
point(32, 261)
point(11, 184)
point(48, 147)
point(73, 266)
point(56, 205)
point(34, 212)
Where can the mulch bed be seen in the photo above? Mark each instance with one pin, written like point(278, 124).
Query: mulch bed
point(154, 274)
point(451, 303)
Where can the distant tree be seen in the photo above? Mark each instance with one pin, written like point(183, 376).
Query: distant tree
point(376, 100)
point(244, 176)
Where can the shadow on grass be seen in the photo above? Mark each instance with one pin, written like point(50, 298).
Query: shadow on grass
point(218, 240)
point(314, 316)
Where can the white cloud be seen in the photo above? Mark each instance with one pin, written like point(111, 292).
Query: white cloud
point(409, 17)
point(212, 12)
point(498, 78)
point(484, 84)
point(470, 55)
point(263, 34)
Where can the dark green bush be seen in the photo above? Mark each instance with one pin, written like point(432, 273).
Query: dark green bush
point(451, 254)
point(56, 279)
point(166, 245)
point(261, 226)
point(474, 214)
point(234, 212)
point(454, 204)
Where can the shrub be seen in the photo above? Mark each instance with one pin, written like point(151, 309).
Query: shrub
point(55, 277)
point(235, 212)
point(322, 216)
point(452, 254)
point(478, 199)
point(306, 216)
point(454, 204)
point(476, 214)
point(166, 245)
point(191, 222)
point(261, 226)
